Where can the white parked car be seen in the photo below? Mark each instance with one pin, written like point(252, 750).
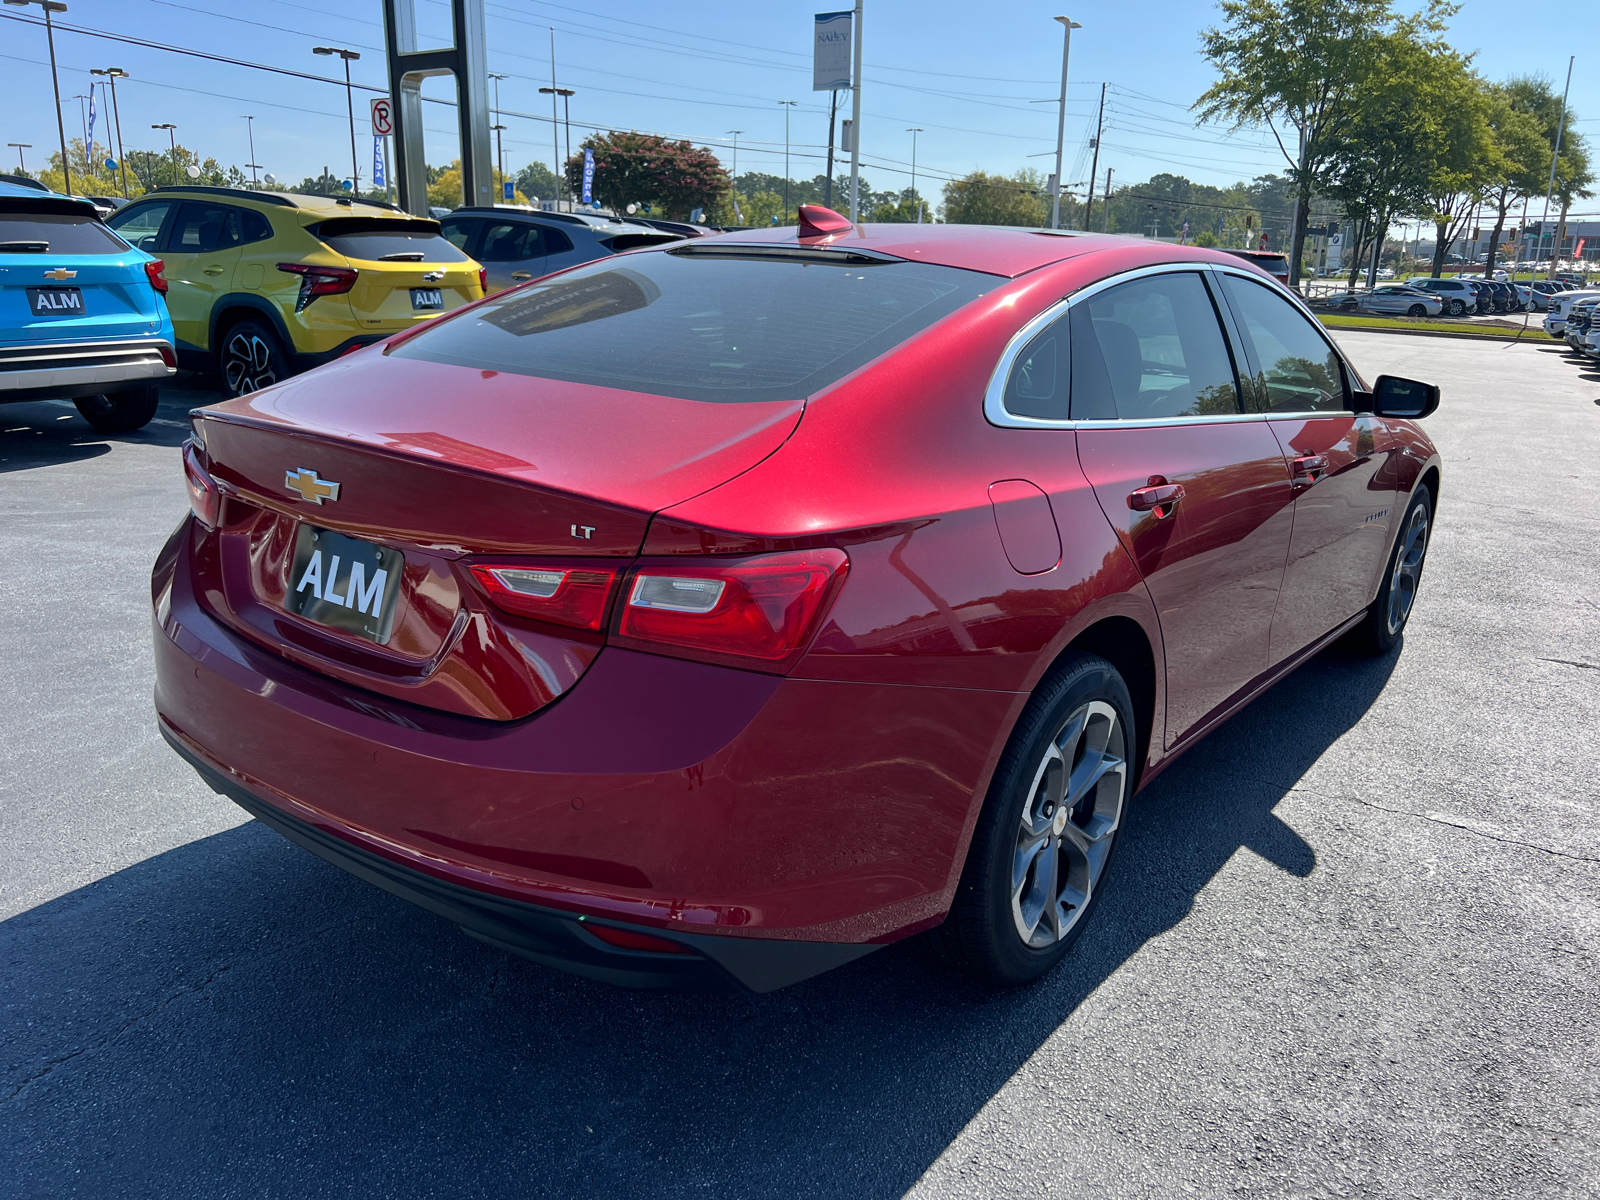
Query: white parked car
point(1407, 301)
point(1555, 323)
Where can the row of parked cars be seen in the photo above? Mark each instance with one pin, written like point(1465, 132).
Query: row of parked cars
point(1572, 319)
point(100, 303)
point(1460, 295)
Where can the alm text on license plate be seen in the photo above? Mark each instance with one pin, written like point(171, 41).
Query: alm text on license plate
point(344, 583)
point(425, 298)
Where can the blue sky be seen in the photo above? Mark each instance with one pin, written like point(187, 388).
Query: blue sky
point(965, 74)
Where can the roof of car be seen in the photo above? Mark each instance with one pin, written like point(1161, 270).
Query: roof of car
point(326, 205)
point(27, 199)
point(997, 249)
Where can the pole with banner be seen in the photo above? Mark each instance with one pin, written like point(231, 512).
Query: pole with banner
point(588, 177)
point(831, 70)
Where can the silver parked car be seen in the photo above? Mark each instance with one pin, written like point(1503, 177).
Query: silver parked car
point(516, 244)
point(1458, 296)
point(1408, 301)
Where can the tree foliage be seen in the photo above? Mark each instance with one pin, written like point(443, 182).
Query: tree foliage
point(642, 168)
point(984, 199)
point(1305, 64)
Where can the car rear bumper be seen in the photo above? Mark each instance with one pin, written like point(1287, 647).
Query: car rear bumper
point(693, 801)
point(549, 936)
point(82, 369)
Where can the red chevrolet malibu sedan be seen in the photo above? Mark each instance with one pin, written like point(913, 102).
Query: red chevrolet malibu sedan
point(719, 614)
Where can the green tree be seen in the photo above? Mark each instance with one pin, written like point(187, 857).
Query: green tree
point(641, 168)
point(1521, 153)
point(1573, 173)
point(984, 199)
point(536, 181)
point(1389, 152)
point(1462, 164)
point(903, 209)
point(1306, 63)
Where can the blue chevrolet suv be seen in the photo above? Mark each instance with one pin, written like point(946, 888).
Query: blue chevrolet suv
point(82, 314)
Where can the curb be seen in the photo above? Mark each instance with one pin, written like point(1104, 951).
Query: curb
point(1533, 336)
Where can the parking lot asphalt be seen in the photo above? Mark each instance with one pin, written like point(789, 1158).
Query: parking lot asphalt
point(1351, 946)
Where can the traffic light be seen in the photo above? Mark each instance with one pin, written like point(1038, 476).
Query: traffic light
point(1249, 221)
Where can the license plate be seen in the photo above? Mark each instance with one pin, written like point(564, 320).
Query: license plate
point(56, 302)
point(347, 584)
point(427, 298)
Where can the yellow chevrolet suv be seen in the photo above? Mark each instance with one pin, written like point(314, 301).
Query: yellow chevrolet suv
point(262, 285)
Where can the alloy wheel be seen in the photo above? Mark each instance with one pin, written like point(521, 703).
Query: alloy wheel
point(1407, 572)
point(1067, 824)
point(247, 363)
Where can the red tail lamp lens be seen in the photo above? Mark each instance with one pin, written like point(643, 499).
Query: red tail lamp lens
point(483, 280)
point(154, 270)
point(564, 594)
point(627, 939)
point(319, 281)
point(759, 610)
point(205, 498)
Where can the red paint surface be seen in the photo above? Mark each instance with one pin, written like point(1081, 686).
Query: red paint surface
point(829, 799)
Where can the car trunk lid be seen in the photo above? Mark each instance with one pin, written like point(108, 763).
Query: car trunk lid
point(437, 467)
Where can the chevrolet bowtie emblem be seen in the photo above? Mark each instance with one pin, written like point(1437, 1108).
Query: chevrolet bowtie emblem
point(61, 273)
point(433, 277)
point(310, 487)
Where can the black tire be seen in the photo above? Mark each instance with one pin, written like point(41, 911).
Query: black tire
point(121, 412)
point(1458, 308)
point(1417, 310)
point(251, 358)
point(1048, 758)
point(1385, 622)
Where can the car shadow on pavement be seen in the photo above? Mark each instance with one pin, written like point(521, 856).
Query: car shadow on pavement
point(45, 433)
point(236, 1017)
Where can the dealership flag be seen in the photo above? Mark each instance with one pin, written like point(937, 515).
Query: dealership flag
point(89, 149)
point(830, 63)
point(588, 176)
point(378, 181)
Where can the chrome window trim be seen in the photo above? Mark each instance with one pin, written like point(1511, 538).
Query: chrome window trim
point(996, 413)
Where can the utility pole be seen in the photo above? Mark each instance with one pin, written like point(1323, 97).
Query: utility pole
point(499, 144)
point(252, 164)
point(855, 119)
point(173, 138)
point(827, 187)
point(913, 131)
point(1105, 221)
point(788, 107)
point(1068, 25)
point(1094, 167)
point(50, 7)
point(350, 103)
point(1561, 128)
point(114, 74)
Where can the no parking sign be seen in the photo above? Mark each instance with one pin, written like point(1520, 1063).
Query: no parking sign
point(382, 117)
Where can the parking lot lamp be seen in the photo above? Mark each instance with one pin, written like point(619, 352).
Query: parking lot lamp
point(788, 107)
point(50, 7)
point(114, 74)
point(19, 147)
point(173, 138)
point(350, 104)
point(1068, 25)
point(913, 131)
point(499, 130)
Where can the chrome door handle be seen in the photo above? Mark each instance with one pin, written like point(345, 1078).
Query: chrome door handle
point(1309, 468)
point(214, 270)
point(522, 274)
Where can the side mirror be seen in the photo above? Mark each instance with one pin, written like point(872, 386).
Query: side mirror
point(1404, 398)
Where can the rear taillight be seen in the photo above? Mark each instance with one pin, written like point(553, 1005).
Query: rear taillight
point(483, 280)
point(562, 593)
point(205, 498)
point(168, 356)
point(754, 612)
point(319, 281)
point(153, 271)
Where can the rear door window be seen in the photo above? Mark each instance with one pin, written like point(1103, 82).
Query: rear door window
point(140, 224)
point(724, 327)
point(55, 233)
point(459, 233)
point(202, 228)
point(1151, 349)
point(510, 241)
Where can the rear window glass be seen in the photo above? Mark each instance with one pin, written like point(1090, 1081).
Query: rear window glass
point(52, 233)
point(722, 329)
point(376, 239)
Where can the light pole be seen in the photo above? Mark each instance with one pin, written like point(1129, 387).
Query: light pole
point(555, 130)
point(252, 164)
point(913, 131)
point(1068, 25)
point(54, 6)
point(173, 137)
point(350, 103)
point(788, 107)
point(499, 130)
point(114, 74)
point(566, 95)
point(19, 147)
